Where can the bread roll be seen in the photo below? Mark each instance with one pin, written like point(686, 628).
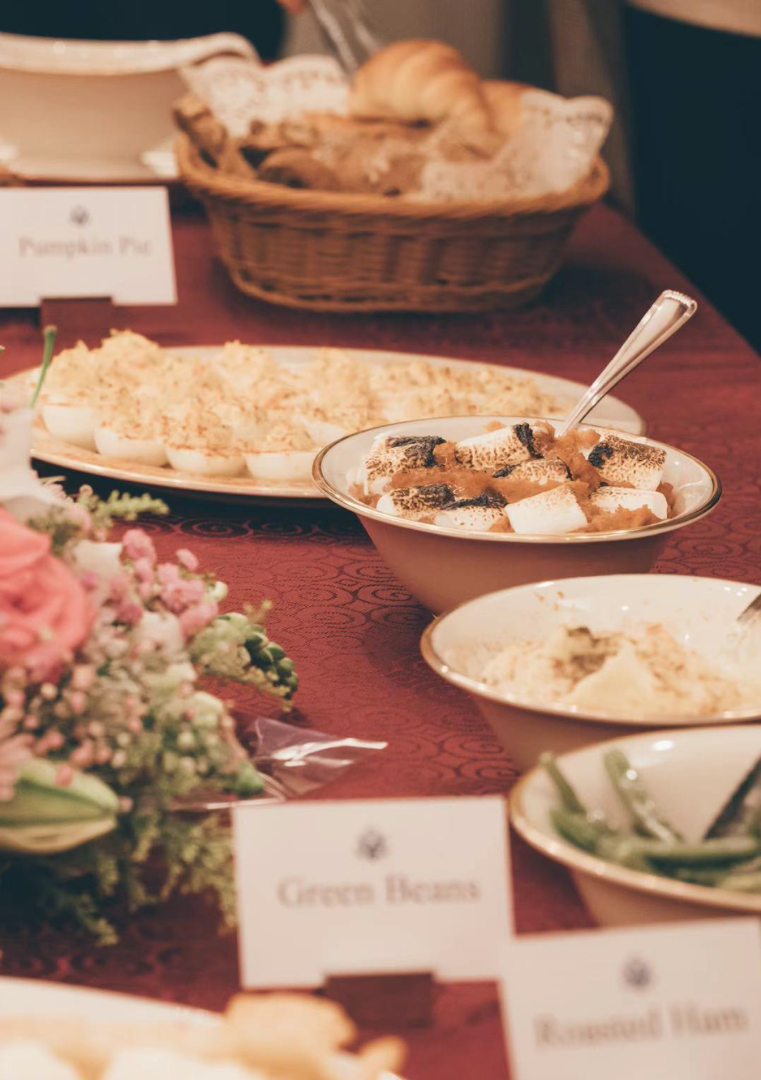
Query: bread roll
point(420, 80)
point(196, 119)
point(297, 168)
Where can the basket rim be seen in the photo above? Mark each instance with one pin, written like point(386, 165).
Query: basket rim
point(206, 179)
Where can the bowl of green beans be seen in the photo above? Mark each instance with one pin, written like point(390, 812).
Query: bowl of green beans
point(654, 827)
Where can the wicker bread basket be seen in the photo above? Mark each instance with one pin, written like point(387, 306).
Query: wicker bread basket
point(333, 251)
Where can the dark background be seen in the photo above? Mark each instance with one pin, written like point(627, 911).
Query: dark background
point(262, 21)
point(696, 152)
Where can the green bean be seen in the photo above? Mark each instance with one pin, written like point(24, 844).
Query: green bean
point(646, 817)
point(739, 882)
point(568, 796)
point(716, 874)
point(695, 876)
point(583, 830)
point(723, 849)
point(625, 851)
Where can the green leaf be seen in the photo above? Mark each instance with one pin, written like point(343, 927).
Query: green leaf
point(39, 800)
point(50, 335)
point(50, 839)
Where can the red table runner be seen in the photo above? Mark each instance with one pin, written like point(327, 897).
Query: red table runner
point(352, 629)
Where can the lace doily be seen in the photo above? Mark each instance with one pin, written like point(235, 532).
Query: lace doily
point(553, 147)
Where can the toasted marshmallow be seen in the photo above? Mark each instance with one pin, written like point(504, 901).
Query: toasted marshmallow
point(391, 454)
point(538, 470)
point(416, 502)
point(547, 514)
point(613, 498)
point(284, 465)
point(477, 515)
point(638, 464)
point(145, 451)
point(505, 446)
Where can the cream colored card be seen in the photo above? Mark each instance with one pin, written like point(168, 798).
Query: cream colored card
point(675, 1002)
point(86, 242)
point(352, 887)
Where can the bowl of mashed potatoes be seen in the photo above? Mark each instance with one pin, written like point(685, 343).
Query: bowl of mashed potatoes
point(463, 505)
point(562, 664)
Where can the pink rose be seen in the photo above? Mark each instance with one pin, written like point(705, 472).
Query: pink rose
point(196, 618)
point(138, 545)
point(45, 614)
point(187, 559)
point(178, 592)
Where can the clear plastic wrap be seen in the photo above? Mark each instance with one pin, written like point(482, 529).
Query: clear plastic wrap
point(293, 761)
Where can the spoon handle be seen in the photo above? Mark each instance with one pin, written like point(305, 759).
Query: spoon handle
point(752, 613)
point(670, 311)
point(346, 31)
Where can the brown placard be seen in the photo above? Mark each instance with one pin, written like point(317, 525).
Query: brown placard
point(88, 317)
point(388, 1000)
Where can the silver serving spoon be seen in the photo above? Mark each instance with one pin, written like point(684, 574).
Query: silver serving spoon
point(750, 614)
point(669, 312)
point(739, 636)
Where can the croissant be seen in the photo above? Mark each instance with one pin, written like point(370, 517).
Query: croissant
point(420, 80)
point(297, 168)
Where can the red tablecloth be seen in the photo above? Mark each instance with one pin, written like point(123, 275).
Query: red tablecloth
point(352, 629)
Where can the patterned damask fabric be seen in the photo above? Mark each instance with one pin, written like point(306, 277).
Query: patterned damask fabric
point(353, 630)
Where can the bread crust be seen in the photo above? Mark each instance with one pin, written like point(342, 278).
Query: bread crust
point(420, 80)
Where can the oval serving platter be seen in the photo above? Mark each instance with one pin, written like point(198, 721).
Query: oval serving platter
point(613, 413)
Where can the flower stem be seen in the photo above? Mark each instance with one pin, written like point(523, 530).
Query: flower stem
point(49, 334)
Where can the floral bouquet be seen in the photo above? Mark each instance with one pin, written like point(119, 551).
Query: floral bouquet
point(104, 729)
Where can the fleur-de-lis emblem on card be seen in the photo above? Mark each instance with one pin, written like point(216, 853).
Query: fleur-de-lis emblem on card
point(372, 845)
point(637, 974)
point(79, 215)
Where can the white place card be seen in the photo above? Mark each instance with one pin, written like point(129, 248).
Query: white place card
point(672, 1002)
point(371, 886)
point(86, 242)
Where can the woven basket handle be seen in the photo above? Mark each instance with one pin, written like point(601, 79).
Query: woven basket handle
point(346, 29)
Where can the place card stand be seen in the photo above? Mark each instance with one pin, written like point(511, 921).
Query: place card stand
point(392, 1001)
point(89, 317)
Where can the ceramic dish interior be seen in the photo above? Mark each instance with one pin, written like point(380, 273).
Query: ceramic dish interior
point(698, 612)
point(25, 997)
point(697, 488)
point(690, 774)
point(96, 111)
point(53, 451)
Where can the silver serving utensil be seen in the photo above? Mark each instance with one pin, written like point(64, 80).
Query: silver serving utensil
point(740, 637)
point(669, 312)
point(345, 28)
point(750, 614)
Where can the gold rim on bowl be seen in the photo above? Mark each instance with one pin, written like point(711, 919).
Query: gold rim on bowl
point(348, 502)
point(559, 851)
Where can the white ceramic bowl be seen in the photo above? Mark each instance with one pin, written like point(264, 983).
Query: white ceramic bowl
point(443, 567)
point(698, 612)
point(94, 109)
point(690, 774)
